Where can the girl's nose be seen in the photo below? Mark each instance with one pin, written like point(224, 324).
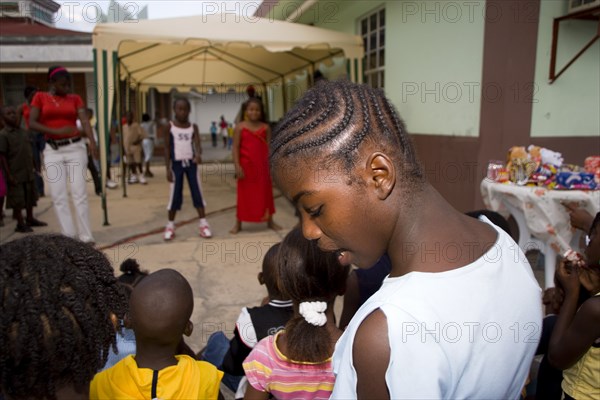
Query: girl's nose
point(310, 230)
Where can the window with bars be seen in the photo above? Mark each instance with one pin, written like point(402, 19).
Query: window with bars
point(372, 30)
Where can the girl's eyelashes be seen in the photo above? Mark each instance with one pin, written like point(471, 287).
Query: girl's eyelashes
point(314, 212)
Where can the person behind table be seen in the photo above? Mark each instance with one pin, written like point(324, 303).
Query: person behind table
point(575, 342)
point(133, 136)
point(38, 141)
point(251, 159)
point(253, 324)
point(16, 149)
point(55, 114)
point(183, 154)
point(149, 127)
point(373, 198)
point(159, 313)
point(59, 300)
point(296, 362)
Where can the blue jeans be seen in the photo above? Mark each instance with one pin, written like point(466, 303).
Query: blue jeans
point(214, 353)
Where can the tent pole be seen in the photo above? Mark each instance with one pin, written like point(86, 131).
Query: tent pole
point(284, 94)
point(359, 67)
point(138, 103)
point(266, 103)
point(120, 126)
point(127, 94)
point(101, 137)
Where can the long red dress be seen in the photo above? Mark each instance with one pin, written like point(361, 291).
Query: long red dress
point(255, 191)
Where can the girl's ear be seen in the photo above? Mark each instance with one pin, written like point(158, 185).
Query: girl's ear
point(261, 279)
point(189, 328)
point(381, 173)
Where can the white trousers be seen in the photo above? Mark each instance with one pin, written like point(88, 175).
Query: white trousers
point(148, 147)
point(67, 166)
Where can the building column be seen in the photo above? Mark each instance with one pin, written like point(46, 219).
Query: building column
point(508, 78)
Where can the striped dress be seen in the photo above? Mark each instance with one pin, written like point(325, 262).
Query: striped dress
point(268, 370)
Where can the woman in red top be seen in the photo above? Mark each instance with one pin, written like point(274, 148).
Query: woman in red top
point(55, 113)
point(251, 158)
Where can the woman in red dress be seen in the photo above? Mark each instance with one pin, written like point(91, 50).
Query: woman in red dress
point(251, 158)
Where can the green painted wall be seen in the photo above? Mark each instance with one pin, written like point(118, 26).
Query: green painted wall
point(570, 106)
point(434, 53)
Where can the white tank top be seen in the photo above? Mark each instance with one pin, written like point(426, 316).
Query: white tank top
point(467, 333)
point(182, 142)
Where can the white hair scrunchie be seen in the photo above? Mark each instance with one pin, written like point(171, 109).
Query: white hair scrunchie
point(314, 312)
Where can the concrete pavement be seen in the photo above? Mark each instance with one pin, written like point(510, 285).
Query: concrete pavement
point(222, 271)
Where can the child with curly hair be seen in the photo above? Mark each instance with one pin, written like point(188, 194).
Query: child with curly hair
point(59, 300)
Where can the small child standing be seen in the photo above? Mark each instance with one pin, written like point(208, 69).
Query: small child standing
point(213, 133)
point(296, 362)
point(133, 136)
point(229, 136)
point(16, 148)
point(575, 342)
point(159, 311)
point(183, 155)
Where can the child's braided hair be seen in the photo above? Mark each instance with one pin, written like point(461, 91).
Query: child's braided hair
point(58, 297)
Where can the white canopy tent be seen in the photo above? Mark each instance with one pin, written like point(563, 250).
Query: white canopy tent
point(208, 53)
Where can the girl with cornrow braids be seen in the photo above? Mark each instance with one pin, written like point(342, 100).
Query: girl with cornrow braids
point(59, 302)
point(343, 157)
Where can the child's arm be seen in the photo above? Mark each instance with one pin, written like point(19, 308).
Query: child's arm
point(87, 129)
point(20, 115)
point(166, 132)
point(4, 166)
point(253, 394)
point(197, 143)
point(268, 134)
point(3, 162)
point(575, 330)
point(235, 356)
point(237, 132)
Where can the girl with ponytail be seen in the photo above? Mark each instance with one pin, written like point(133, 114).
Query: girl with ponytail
point(296, 362)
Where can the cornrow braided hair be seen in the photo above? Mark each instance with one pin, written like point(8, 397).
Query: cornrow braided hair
point(58, 295)
point(335, 118)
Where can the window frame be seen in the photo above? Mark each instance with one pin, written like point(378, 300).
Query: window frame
point(374, 60)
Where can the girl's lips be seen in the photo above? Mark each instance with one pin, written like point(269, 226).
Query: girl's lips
point(344, 257)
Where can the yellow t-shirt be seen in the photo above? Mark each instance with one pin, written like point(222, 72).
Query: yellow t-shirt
point(189, 379)
point(582, 380)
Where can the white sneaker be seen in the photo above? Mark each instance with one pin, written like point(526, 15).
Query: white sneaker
point(133, 179)
point(142, 180)
point(111, 184)
point(169, 233)
point(204, 231)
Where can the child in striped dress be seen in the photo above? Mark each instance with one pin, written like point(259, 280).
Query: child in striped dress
point(296, 363)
